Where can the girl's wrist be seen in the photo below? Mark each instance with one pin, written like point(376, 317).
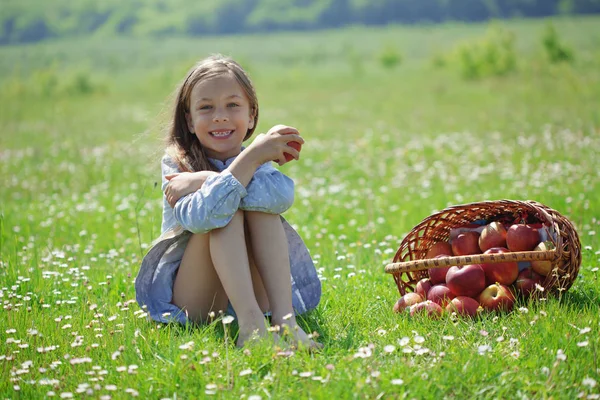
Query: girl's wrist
point(251, 157)
point(244, 167)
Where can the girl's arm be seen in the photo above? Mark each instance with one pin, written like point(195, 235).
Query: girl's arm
point(265, 148)
point(184, 183)
point(210, 207)
point(269, 191)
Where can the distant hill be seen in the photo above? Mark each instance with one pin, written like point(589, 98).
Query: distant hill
point(23, 21)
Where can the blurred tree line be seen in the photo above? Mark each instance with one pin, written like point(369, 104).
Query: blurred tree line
point(23, 21)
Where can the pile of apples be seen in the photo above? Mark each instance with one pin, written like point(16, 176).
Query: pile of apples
point(469, 289)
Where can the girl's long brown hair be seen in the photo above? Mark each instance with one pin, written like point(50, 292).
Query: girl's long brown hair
point(182, 145)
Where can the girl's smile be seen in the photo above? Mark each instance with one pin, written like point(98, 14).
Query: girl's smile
point(221, 134)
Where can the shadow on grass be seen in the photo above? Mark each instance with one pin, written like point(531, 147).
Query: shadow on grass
point(346, 339)
point(580, 299)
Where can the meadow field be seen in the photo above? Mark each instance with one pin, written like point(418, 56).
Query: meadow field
point(394, 131)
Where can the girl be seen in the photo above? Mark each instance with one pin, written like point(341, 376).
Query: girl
point(223, 242)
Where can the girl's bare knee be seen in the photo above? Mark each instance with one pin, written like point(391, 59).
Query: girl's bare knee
point(198, 238)
point(236, 222)
point(257, 215)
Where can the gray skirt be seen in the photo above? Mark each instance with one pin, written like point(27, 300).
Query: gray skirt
point(154, 282)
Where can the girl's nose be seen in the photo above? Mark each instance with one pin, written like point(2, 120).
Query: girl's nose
point(220, 116)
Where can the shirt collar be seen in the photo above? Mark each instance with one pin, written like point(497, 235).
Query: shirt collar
point(221, 165)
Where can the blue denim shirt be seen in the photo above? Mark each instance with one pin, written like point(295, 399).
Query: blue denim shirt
point(212, 207)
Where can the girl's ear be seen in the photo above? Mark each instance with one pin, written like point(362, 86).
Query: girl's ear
point(190, 124)
point(251, 122)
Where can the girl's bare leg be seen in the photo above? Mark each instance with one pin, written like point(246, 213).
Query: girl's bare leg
point(271, 255)
point(217, 268)
point(197, 289)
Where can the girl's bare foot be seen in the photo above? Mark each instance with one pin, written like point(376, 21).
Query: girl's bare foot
point(299, 338)
point(255, 333)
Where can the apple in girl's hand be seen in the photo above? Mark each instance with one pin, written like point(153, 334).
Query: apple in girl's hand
point(294, 145)
point(423, 287)
point(438, 275)
point(525, 283)
point(463, 305)
point(406, 301)
point(432, 309)
point(465, 244)
point(497, 297)
point(504, 273)
point(522, 237)
point(440, 294)
point(493, 235)
point(289, 157)
point(468, 280)
point(543, 267)
point(440, 248)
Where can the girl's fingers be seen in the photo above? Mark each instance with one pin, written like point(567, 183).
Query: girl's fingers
point(292, 152)
point(171, 176)
point(282, 157)
point(288, 130)
point(283, 130)
point(294, 138)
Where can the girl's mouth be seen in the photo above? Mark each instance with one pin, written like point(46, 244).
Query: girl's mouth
point(220, 134)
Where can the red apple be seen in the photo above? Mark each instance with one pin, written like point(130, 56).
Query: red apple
point(525, 283)
point(463, 305)
point(438, 275)
point(406, 301)
point(439, 248)
point(497, 297)
point(493, 235)
point(423, 287)
point(454, 232)
point(432, 309)
point(465, 244)
point(294, 145)
point(504, 272)
point(440, 294)
point(468, 280)
point(543, 267)
point(521, 237)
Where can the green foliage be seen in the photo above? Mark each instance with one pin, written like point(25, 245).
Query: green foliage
point(23, 21)
point(492, 55)
point(82, 82)
point(354, 58)
point(50, 83)
point(556, 51)
point(389, 57)
point(439, 60)
point(44, 82)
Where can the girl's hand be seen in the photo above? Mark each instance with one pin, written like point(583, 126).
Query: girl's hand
point(274, 144)
point(184, 183)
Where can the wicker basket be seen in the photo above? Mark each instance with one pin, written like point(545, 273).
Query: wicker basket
point(409, 265)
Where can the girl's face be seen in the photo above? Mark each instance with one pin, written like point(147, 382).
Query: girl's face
point(220, 116)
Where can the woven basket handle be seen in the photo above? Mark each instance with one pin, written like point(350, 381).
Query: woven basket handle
point(420, 265)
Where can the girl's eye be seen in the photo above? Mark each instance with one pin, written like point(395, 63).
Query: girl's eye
point(233, 105)
point(205, 107)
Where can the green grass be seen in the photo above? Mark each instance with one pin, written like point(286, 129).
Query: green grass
point(384, 149)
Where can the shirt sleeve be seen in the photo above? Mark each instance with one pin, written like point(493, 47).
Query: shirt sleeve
point(168, 166)
point(211, 207)
point(269, 191)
